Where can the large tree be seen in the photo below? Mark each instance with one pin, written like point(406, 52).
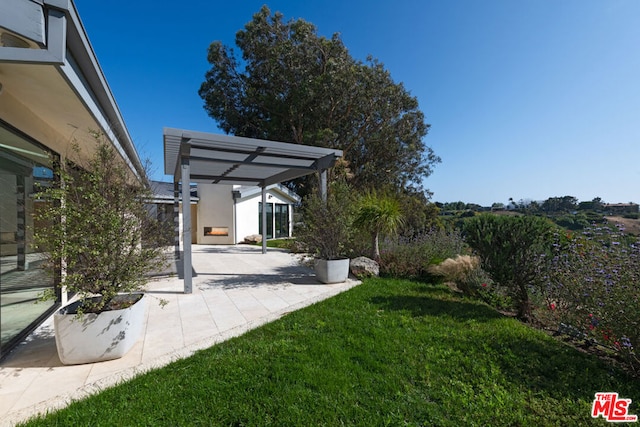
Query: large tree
point(292, 85)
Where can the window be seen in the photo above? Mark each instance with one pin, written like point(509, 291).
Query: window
point(24, 166)
point(278, 220)
point(282, 220)
point(269, 220)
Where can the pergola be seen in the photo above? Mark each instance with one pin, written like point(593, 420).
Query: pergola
point(198, 157)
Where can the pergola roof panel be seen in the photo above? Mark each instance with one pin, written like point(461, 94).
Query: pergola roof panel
point(199, 152)
point(237, 160)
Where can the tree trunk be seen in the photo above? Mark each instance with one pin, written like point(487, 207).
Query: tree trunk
point(524, 305)
point(375, 247)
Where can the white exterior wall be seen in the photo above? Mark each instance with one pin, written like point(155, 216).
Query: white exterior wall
point(247, 217)
point(215, 209)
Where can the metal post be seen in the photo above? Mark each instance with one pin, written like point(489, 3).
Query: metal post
point(264, 219)
point(176, 218)
point(186, 224)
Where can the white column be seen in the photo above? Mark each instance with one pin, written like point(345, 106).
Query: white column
point(323, 185)
point(264, 219)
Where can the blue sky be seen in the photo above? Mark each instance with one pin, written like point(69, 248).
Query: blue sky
point(527, 99)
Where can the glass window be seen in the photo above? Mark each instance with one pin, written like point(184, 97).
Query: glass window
point(269, 219)
point(24, 166)
point(282, 220)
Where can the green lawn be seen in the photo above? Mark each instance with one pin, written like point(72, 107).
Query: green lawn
point(278, 243)
point(388, 352)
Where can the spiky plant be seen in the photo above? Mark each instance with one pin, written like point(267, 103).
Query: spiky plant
point(378, 214)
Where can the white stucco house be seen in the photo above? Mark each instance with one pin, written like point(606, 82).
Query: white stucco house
point(225, 214)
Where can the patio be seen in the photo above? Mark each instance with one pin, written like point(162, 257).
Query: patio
point(235, 289)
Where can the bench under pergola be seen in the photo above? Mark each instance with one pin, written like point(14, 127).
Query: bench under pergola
point(198, 157)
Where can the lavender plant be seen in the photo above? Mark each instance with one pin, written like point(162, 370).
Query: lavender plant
point(592, 283)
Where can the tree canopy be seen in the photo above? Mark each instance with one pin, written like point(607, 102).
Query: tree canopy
point(293, 85)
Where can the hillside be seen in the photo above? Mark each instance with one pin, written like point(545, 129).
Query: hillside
point(632, 226)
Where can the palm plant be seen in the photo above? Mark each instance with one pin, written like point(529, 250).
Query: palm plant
point(378, 214)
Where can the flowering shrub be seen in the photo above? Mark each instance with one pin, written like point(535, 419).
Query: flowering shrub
point(592, 282)
point(412, 257)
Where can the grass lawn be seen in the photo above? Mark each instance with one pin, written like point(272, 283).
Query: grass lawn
point(388, 352)
point(284, 243)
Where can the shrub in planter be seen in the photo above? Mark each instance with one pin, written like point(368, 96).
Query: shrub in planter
point(97, 230)
point(327, 227)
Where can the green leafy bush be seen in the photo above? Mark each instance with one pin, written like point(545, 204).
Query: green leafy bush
point(327, 228)
point(572, 222)
point(509, 247)
point(98, 229)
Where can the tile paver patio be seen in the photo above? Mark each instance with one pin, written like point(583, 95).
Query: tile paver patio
point(236, 288)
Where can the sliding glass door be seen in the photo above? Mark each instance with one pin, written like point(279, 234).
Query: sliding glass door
point(278, 220)
point(269, 219)
point(23, 167)
point(282, 220)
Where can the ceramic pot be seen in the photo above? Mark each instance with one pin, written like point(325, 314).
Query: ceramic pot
point(332, 270)
point(98, 337)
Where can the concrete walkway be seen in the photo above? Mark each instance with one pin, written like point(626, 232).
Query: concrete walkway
point(235, 289)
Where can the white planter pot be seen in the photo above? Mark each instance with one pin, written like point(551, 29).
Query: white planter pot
point(332, 270)
point(98, 337)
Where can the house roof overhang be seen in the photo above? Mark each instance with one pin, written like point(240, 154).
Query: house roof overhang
point(163, 192)
point(224, 159)
point(50, 78)
point(246, 192)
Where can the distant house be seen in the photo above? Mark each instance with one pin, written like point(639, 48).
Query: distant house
point(621, 208)
point(226, 214)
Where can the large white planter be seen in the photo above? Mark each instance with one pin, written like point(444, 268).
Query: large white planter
point(98, 337)
point(332, 270)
